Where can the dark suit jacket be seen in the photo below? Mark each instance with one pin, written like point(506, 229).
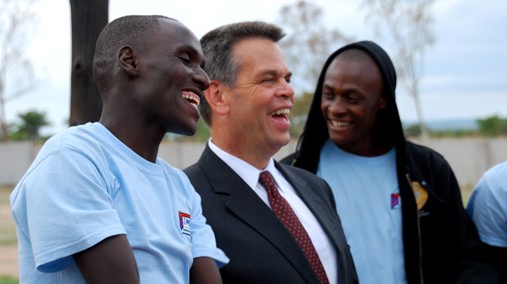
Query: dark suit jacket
point(260, 249)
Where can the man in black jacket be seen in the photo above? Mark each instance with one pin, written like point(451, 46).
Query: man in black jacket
point(399, 202)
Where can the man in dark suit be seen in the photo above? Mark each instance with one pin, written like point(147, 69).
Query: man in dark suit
point(282, 228)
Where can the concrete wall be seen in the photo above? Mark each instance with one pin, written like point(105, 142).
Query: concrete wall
point(469, 157)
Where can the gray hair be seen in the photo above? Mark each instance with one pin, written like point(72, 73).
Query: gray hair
point(217, 46)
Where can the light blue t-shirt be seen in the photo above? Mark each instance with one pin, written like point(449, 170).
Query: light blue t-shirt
point(368, 202)
point(487, 206)
point(84, 186)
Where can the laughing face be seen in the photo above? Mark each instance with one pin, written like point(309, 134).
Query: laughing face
point(351, 100)
point(173, 79)
point(261, 100)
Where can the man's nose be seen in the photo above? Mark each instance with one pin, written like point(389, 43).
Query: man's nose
point(201, 78)
point(286, 90)
point(337, 105)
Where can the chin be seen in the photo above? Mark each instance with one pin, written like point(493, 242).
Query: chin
point(187, 130)
point(338, 139)
point(283, 142)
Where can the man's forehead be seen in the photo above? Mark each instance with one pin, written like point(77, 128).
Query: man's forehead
point(177, 32)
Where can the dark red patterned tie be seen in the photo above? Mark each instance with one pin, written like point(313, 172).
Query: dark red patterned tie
point(284, 212)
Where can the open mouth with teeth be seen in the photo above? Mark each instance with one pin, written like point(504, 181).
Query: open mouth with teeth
point(192, 98)
point(336, 123)
point(281, 113)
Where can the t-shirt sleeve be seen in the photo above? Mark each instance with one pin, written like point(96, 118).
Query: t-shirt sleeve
point(488, 210)
point(203, 238)
point(65, 207)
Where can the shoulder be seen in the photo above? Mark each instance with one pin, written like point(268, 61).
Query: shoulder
point(192, 169)
point(309, 183)
point(288, 159)
point(302, 176)
point(84, 139)
point(499, 170)
point(297, 171)
point(493, 182)
point(432, 171)
point(195, 174)
point(422, 151)
point(423, 156)
point(198, 178)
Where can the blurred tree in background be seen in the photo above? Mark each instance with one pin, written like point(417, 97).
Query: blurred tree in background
point(308, 42)
point(29, 126)
point(299, 114)
point(17, 24)
point(306, 46)
point(492, 126)
point(409, 23)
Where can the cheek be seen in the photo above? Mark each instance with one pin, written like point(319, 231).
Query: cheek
point(324, 105)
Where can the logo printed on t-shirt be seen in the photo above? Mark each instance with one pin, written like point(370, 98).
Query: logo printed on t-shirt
point(184, 223)
point(395, 201)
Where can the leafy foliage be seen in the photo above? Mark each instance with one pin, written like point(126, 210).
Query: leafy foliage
point(29, 126)
point(492, 126)
point(308, 42)
point(17, 78)
point(299, 113)
point(409, 23)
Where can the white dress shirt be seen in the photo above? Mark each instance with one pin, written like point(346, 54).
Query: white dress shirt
point(250, 176)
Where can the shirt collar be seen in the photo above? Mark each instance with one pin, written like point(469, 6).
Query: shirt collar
point(246, 171)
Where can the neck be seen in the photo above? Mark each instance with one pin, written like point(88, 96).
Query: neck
point(255, 157)
point(144, 141)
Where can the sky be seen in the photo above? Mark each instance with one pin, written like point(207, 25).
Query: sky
point(464, 75)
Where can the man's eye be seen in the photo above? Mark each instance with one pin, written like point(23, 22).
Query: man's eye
point(327, 95)
point(353, 99)
point(185, 58)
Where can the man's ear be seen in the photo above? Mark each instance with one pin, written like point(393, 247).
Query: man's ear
point(215, 95)
point(127, 60)
point(383, 102)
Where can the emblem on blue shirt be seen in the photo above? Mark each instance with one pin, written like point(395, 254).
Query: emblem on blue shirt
point(395, 201)
point(184, 223)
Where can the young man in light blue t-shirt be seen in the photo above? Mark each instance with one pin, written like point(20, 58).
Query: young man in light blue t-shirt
point(487, 207)
point(97, 205)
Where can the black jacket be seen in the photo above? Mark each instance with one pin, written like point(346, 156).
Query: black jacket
point(260, 249)
point(440, 241)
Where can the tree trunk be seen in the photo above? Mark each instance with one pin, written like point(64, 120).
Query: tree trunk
point(88, 17)
point(419, 111)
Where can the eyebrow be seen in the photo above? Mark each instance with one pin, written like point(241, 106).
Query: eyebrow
point(273, 73)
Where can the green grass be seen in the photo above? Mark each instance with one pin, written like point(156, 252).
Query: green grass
point(8, 280)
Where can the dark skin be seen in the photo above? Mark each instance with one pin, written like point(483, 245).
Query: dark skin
point(351, 99)
point(147, 95)
point(110, 261)
point(145, 101)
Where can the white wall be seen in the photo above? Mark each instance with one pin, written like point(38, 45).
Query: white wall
point(469, 157)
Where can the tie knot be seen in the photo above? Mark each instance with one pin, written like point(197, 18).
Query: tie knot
point(266, 179)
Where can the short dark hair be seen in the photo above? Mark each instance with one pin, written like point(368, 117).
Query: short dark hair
point(136, 31)
point(217, 46)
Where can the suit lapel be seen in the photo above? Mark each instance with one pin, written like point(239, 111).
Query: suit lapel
point(247, 206)
point(328, 220)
